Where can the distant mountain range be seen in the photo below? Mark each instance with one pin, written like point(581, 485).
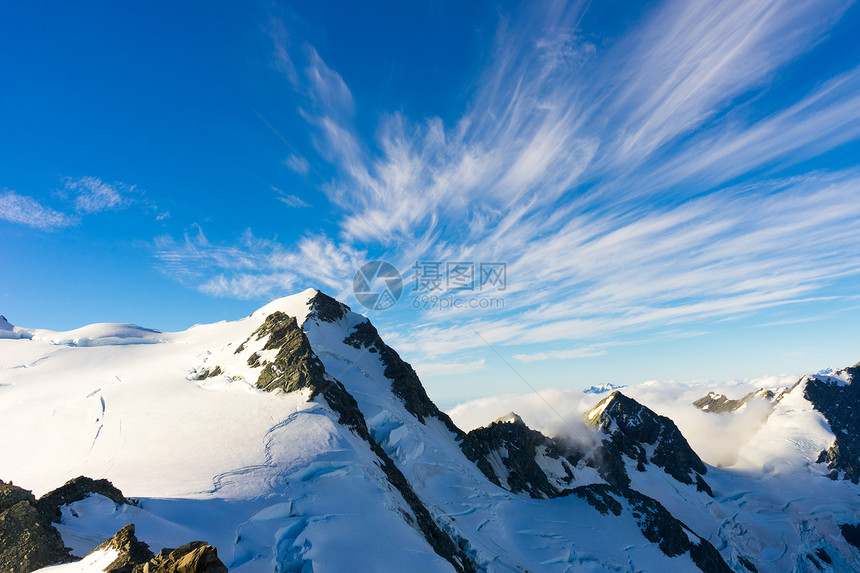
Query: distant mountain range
point(296, 439)
point(602, 388)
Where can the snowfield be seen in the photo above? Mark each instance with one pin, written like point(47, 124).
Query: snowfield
point(277, 482)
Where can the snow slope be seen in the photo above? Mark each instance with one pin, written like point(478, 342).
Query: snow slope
point(284, 481)
point(267, 478)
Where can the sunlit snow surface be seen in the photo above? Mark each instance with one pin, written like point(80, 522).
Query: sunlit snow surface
point(275, 483)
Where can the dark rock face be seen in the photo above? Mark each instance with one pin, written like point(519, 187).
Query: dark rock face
point(629, 426)
point(209, 373)
point(194, 557)
point(840, 405)
point(326, 309)
point(851, 533)
point(516, 445)
point(134, 556)
point(12, 494)
point(131, 551)
point(28, 541)
point(656, 523)
point(404, 381)
point(718, 403)
point(599, 496)
point(75, 490)
point(295, 367)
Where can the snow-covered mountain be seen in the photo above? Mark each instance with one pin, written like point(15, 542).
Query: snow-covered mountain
point(602, 388)
point(295, 439)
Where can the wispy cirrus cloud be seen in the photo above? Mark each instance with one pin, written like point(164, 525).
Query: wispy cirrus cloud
point(639, 181)
point(253, 266)
point(17, 208)
point(87, 195)
point(298, 164)
point(290, 200)
point(92, 195)
point(449, 368)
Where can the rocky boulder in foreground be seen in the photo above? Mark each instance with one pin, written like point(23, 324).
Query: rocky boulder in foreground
point(28, 541)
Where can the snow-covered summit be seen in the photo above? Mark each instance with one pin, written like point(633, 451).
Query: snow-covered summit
point(297, 305)
point(98, 334)
point(638, 433)
point(602, 388)
point(717, 403)
point(7, 330)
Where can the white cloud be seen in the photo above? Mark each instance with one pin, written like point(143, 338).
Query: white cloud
point(585, 352)
point(25, 210)
point(449, 368)
point(298, 164)
point(255, 267)
point(667, 398)
point(290, 200)
point(92, 195)
point(563, 418)
point(567, 166)
point(293, 201)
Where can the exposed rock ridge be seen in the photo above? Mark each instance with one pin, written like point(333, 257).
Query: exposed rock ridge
point(28, 541)
point(716, 403)
point(327, 309)
point(516, 446)
point(404, 381)
point(295, 366)
point(657, 524)
point(839, 401)
point(630, 427)
point(134, 556)
point(77, 489)
point(130, 551)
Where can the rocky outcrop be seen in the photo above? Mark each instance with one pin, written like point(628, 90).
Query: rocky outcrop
point(194, 557)
point(838, 399)
point(130, 551)
point(656, 523)
point(11, 494)
point(75, 490)
point(851, 533)
point(134, 556)
point(636, 432)
point(28, 541)
point(404, 380)
point(326, 309)
point(715, 403)
point(509, 453)
point(295, 365)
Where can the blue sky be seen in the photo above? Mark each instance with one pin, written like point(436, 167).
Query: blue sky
point(673, 187)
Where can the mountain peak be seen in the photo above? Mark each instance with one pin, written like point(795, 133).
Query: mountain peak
point(838, 400)
point(296, 305)
point(520, 459)
point(716, 403)
point(509, 418)
point(629, 427)
point(326, 308)
point(602, 388)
